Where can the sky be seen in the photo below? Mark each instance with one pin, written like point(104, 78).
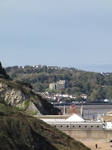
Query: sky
point(65, 33)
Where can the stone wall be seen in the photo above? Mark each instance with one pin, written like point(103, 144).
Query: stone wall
point(91, 131)
point(90, 135)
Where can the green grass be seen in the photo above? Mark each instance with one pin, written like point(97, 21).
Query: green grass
point(34, 113)
point(27, 103)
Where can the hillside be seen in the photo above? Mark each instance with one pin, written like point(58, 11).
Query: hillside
point(20, 131)
point(96, 86)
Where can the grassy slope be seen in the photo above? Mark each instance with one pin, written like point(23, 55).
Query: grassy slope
point(19, 131)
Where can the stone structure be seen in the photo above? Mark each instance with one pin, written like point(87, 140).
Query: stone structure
point(62, 84)
point(86, 131)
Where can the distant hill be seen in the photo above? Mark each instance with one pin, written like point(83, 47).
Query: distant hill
point(96, 86)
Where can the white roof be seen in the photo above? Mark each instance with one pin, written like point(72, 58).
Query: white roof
point(75, 117)
point(53, 120)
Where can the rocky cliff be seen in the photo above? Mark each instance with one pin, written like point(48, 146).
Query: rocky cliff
point(20, 95)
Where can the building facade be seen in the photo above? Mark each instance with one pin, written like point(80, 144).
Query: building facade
point(61, 84)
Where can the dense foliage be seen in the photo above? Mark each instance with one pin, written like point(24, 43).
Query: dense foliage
point(97, 86)
point(19, 131)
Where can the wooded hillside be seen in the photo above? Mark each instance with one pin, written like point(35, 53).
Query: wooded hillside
point(97, 86)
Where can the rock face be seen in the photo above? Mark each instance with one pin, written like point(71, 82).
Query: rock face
point(11, 96)
point(29, 101)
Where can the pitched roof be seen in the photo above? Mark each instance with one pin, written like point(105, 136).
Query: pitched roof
point(75, 118)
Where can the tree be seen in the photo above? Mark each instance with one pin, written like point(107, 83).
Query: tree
point(3, 72)
point(93, 96)
point(109, 93)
